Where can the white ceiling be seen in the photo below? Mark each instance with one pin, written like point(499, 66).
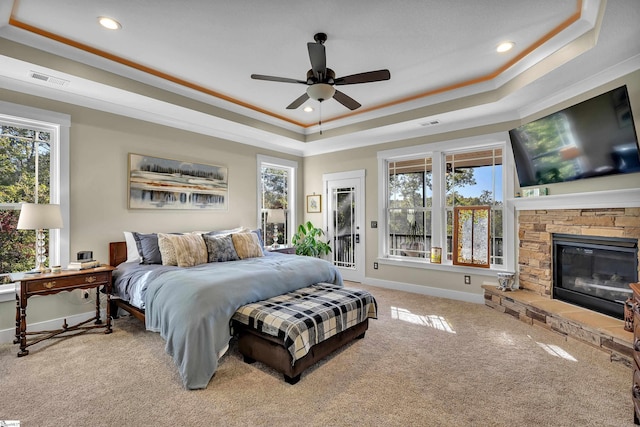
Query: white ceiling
point(441, 55)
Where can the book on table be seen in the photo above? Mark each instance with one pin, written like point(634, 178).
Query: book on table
point(83, 265)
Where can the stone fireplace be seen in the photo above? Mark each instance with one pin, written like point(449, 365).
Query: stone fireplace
point(601, 215)
point(537, 227)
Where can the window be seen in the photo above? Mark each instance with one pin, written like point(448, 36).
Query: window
point(25, 157)
point(33, 150)
point(276, 199)
point(425, 185)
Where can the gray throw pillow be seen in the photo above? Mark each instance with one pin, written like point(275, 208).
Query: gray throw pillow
point(148, 248)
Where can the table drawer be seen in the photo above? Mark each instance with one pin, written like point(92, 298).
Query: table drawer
point(62, 282)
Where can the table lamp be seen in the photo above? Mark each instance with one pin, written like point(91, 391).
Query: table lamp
point(39, 217)
point(275, 216)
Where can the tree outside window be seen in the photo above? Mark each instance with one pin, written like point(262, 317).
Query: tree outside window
point(470, 178)
point(275, 204)
point(25, 157)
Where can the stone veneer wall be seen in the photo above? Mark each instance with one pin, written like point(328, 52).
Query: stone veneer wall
point(535, 228)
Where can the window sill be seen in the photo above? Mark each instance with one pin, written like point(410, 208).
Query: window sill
point(441, 267)
point(8, 292)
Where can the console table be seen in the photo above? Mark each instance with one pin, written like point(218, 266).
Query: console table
point(29, 285)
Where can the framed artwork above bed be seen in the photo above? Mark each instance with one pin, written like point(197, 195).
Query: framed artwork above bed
point(156, 183)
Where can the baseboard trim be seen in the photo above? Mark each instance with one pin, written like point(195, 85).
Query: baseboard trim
point(7, 335)
point(426, 290)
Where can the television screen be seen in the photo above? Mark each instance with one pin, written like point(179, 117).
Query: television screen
point(594, 138)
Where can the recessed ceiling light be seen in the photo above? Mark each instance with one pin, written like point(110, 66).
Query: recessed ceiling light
point(308, 109)
point(505, 46)
point(109, 23)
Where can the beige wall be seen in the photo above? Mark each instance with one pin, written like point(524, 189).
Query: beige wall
point(99, 147)
point(100, 142)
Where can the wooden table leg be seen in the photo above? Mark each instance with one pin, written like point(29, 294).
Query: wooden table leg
point(98, 321)
point(16, 340)
point(23, 330)
point(108, 329)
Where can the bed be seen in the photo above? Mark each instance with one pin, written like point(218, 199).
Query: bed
point(192, 307)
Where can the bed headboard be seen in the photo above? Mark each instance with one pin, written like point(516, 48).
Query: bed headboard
point(117, 253)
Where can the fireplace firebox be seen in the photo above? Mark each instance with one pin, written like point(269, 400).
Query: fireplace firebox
point(594, 272)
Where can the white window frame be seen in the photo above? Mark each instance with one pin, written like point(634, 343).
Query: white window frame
point(292, 167)
point(57, 124)
point(436, 151)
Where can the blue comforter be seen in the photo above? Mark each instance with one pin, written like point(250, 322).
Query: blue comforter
point(191, 307)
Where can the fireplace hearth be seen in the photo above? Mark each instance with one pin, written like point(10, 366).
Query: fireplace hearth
point(594, 272)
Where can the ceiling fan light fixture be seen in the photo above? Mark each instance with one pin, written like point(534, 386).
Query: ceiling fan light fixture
point(321, 91)
point(109, 23)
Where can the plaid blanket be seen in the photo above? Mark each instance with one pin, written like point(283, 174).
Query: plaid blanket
point(307, 316)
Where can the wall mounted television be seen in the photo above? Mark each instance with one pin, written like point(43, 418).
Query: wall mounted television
point(594, 138)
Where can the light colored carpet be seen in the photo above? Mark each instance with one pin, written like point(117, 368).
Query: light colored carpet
point(425, 362)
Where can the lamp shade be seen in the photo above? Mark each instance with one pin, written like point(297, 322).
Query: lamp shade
point(35, 216)
point(275, 216)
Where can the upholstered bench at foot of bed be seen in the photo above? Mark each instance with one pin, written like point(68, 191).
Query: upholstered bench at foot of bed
point(255, 346)
point(293, 331)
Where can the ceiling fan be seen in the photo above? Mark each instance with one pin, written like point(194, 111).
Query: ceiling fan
point(321, 80)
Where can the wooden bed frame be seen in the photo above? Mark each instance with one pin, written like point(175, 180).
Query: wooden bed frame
point(253, 345)
point(118, 255)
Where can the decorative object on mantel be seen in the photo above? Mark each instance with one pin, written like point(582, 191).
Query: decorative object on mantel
point(156, 183)
point(507, 282)
point(535, 192)
point(39, 217)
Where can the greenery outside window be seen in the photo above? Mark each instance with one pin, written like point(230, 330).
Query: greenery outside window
point(276, 199)
point(424, 185)
point(33, 169)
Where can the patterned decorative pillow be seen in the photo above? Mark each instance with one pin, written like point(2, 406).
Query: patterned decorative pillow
point(190, 249)
point(220, 248)
point(167, 250)
point(247, 245)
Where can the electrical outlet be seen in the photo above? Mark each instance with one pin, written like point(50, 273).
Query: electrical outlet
point(375, 265)
point(85, 293)
point(467, 280)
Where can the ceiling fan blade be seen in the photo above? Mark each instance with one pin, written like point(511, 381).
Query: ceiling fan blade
point(318, 58)
point(298, 102)
point(368, 77)
point(345, 100)
point(276, 79)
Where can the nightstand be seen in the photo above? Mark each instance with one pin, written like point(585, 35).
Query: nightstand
point(29, 285)
point(291, 250)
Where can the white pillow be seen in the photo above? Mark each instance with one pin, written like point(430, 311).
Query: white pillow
point(132, 248)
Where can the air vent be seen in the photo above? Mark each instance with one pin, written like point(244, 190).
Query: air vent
point(48, 79)
point(430, 123)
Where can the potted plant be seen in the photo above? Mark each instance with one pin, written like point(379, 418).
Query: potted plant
point(307, 241)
